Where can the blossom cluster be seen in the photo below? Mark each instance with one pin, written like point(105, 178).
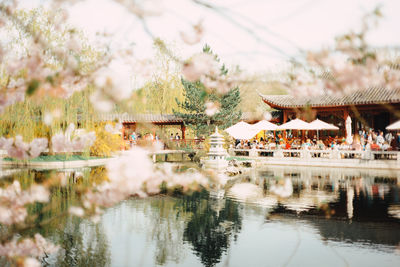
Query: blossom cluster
point(194, 36)
point(48, 68)
point(72, 140)
point(204, 67)
point(350, 66)
point(17, 148)
point(113, 129)
point(134, 174)
point(113, 84)
point(13, 199)
point(29, 248)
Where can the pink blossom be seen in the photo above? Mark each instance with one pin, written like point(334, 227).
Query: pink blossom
point(199, 65)
point(194, 36)
point(31, 262)
point(13, 200)
point(109, 128)
point(72, 140)
point(101, 102)
point(285, 190)
point(246, 191)
point(17, 148)
point(211, 108)
point(267, 116)
point(77, 211)
point(36, 247)
point(134, 174)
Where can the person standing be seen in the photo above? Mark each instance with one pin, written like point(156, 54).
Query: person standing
point(389, 137)
point(133, 139)
point(380, 140)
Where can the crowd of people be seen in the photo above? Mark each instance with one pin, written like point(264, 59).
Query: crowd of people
point(139, 138)
point(363, 140)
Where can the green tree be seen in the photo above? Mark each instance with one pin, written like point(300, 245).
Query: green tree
point(194, 114)
point(197, 95)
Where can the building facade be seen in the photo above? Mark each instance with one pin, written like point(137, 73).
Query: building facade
point(372, 108)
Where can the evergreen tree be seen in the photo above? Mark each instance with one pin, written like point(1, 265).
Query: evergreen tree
point(196, 95)
point(194, 108)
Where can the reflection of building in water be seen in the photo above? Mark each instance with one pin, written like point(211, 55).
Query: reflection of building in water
point(385, 233)
point(394, 210)
point(329, 192)
point(370, 202)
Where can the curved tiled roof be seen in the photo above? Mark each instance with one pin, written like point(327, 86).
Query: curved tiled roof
point(160, 118)
point(373, 95)
point(144, 118)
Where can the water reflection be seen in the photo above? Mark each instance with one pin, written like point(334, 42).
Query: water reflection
point(81, 242)
point(213, 225)
point(331, 217)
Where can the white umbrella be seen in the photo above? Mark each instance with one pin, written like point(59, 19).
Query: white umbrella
point(321, 125)
point(295, 124)
point(349, 138)
point(265, 125)
point(394, 126)
point(242, 130)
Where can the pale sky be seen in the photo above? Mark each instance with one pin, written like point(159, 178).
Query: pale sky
point(282, 27)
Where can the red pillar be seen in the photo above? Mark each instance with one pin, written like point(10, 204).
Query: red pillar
point(183, 129)
point(284, 116)
point(284, 121)
point(345, 115)
point(123, 136)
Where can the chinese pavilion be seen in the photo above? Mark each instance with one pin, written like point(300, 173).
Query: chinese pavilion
point(131, 121)
point(372, 108)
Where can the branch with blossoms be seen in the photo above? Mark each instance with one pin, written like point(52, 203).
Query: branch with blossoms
point(57, 70)
point(72, 140)
point(17, 148)
point(350, 66)
point(23, 251)
point(134, 174)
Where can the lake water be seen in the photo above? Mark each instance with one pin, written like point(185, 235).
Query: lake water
point(335, 217)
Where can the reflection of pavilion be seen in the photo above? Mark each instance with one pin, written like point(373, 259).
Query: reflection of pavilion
point(375, 233)
point(342, 193)
point(368, 198)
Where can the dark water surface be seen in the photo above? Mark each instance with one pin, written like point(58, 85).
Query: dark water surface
point(335, 217)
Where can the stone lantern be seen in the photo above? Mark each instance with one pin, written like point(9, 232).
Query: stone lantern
point(216, 157)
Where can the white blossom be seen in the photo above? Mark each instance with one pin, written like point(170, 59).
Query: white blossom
point(17, 148)
point(211, 108)
point(77, 211)
point(13, 199)
point(31, 262)
point(72, 140)
point(285, 190)
point(36, 247)
point(200, 64)
point(194, 36)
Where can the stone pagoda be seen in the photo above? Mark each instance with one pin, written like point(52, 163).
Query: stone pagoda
point(216, 157)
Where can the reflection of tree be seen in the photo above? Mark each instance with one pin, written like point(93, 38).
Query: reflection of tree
point(163, 223)
point(82, 244)
point(210, 229)
point(166, 230)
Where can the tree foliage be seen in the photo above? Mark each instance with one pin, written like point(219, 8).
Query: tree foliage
point(194, 114)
